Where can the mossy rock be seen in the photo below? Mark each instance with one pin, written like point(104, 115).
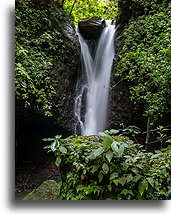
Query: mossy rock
point(48, 190)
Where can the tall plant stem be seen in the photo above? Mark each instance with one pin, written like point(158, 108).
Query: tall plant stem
point(72, 7)
point(148, 133)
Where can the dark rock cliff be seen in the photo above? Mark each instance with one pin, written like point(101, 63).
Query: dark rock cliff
point(64, 73)
point(31, 123)
point(91, 28)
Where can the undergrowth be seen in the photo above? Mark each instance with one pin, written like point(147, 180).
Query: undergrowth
point(110, 167)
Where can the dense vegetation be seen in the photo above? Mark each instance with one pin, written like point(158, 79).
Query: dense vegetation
point(42, 46)
point(145, 60)
point(110, 167)
point(113, 166)
point(85, 8)
point(34, 56)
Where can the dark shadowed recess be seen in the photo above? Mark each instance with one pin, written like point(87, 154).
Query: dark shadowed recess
point(33, 164)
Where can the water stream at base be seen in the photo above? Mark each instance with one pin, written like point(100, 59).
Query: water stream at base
point(93, 87)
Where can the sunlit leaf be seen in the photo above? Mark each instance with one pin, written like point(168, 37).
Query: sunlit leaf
point(109, 155)
point(63, 149)
point(114, 147)
point(100, 176)
point(105, 168)
point(58, 161)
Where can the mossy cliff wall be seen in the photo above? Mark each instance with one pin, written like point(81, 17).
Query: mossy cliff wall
point(47, 62)
point(122, 109)
point(141, 73)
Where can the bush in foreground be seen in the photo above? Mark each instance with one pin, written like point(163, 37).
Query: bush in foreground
point(110, 167)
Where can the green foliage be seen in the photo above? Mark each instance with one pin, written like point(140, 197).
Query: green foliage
point(151, 6)
point(162, 136)
point(85, 8)
point(146, 58)
point(110, 167)
point(37, 47)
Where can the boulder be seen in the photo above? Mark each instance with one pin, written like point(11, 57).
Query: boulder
point(91, 28)
point(48, 190)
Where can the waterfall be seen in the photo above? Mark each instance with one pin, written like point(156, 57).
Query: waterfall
point(91, 103)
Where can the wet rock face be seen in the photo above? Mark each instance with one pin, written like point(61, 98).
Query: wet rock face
point(91, 28)
point(65, 71)
point(122, 109)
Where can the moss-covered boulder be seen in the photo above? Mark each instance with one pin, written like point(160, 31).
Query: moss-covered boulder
point(48, 190)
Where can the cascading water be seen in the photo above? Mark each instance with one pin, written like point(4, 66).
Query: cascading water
point(94, 92)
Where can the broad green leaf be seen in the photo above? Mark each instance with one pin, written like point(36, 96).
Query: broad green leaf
point(95, 168)
point(91, 156)
point(124, 192)
point(109, 187)
point(102, 134)
point(137, 177)
point(58, 161)
point(116, 182)
point(100, 176)
point(130, 192)
point(79, 188)
point(151, 181)
point(156, 185)
point(109, 155)
point(113, 131)
point(105, 168)
point(129, 178)
point(113, 175)
point(143, 185)
point(125, 166)
point(128, 158)
point(53, 146)
point(122, 180)
point(63, 149)
point(134, 170)
point(96, 153)
point(155, 156)
point(58, 136)
point(121, 150)
point(141, 188)
point(168, 141)
point(107, 141)
point(114, 147)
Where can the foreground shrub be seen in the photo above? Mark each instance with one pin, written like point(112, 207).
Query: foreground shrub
point(110, 167)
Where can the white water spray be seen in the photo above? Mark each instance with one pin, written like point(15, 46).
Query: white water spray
point(96, 87)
